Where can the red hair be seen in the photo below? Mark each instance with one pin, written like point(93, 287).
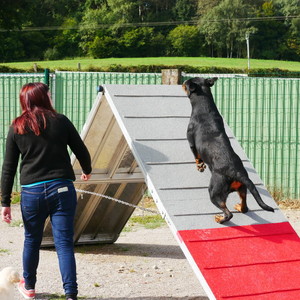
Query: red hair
point(36, 105)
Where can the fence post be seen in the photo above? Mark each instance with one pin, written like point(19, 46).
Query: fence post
point(46, 76)
point(170, 76)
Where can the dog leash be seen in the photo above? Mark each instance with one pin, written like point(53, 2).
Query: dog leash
point(116, 200)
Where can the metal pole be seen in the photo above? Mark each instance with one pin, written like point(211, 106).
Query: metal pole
point(46, 76)
point(248, 50)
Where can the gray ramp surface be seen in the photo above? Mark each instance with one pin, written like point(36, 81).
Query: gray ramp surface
point(154, 121)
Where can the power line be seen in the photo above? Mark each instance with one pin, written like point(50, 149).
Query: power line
point(151, 24)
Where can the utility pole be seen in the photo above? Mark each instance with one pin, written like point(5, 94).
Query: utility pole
point(248, 48)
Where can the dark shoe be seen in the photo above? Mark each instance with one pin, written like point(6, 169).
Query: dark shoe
point(71, 297)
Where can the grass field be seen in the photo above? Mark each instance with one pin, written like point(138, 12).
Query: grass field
point(168, 61)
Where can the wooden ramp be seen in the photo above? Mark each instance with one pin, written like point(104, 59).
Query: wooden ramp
point(254, 256)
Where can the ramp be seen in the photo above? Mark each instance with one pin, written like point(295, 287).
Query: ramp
point(254, 256)
point(115, 174)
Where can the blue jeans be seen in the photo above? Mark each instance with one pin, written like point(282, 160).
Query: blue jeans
point(56, 199)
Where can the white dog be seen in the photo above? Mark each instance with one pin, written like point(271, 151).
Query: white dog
point(8, 276)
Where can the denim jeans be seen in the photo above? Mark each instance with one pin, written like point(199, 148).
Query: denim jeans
point(56, 199)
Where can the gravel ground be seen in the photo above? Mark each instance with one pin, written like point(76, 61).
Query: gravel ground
point(142, 264)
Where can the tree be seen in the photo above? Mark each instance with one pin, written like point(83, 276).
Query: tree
point(11, 49)
point(95, 4)
point(269, 40)
point(185, 41)
point(205, 6)
point(103, 47)
point(184, 10)
point(67, 41)
point(13, 13)
point(157, 10)
point(111, 15)
point(290, 8)
point(225, 26)
point(140, 42)
point(33, 44)
point(121, 28)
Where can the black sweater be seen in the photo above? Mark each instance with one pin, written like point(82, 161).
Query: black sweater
point(43, 157)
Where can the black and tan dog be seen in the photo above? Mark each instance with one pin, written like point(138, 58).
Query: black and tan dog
point(211, 146)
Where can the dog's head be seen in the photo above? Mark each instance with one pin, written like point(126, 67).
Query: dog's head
point(198, 85)
point(10, 275)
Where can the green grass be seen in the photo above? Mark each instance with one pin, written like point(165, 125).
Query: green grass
point(4, 251)
point(16, 198)
point(16, 223)
point(168, 61)
point(149, 222)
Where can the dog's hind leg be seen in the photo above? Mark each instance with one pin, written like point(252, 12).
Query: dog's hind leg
point(242, 207)
point(218, 196)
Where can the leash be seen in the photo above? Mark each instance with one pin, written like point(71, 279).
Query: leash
point(117, 200)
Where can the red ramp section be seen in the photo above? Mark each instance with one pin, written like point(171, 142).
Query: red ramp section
point(247, 262)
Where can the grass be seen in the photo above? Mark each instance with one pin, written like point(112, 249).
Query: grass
point(283, 199)
point(289, 204)
point(3, 251)
point(16, 198)
point(168, 61)
point(16, 223)
point(149, 222)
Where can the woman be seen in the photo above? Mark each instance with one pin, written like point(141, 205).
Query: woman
point(41, 136)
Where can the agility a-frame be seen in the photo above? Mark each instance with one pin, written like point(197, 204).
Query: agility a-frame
point(137, 138)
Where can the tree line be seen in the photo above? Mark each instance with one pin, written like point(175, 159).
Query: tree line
point(51, 29)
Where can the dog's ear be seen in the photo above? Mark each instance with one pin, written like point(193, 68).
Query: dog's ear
point(189, 86)
point(211, 81)
point(192, 86)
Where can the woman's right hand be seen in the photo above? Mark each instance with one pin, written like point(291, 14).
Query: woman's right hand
point(85, 177)
point(6, 214)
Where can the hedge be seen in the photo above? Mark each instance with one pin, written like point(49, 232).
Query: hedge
point(274, 72)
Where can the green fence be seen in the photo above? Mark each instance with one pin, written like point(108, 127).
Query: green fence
point(75, 92)
point(10, 85)
point(262, 112)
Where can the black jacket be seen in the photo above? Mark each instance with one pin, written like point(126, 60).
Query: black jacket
point(43, 157)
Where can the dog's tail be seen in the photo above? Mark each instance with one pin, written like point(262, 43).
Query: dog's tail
point(252, 188)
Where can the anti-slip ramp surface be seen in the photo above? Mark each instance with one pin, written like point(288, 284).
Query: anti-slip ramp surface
point(254, 256)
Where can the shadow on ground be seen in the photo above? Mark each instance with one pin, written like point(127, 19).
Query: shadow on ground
point(142, 250)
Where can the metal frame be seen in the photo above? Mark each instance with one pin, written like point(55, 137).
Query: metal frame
point(115, 173)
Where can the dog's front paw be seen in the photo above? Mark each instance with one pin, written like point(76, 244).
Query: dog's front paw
point(201, 166)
